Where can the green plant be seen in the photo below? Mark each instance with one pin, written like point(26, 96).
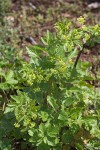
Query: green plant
point(55, 106)
point(10, 61)
point(4, 6)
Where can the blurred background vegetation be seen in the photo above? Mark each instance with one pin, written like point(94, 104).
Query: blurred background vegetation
point(23, 22)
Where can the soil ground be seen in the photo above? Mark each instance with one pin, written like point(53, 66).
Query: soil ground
point(32, 18)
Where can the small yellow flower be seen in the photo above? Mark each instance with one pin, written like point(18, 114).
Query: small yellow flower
point(17, 125)
point(81, 20)
point(84, 27)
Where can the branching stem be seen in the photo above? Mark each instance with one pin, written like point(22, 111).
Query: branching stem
point(78, 57)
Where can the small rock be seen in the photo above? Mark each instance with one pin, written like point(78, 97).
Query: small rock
point(94, 5)
point(31, 40)
point(33, 7)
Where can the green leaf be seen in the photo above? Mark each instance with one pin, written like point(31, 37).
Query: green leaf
point(72, 54)
point(79, 147)
point(44, 42)
point(8, 109)
point(30, 132)
point(4, 86)
point(63, 116)
point(43, 146)
point(69, 101)
point(52, 103)
point(12, 81)
point(67, 137)
point(53, 131)
point(9, 75)
point(44, 115)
